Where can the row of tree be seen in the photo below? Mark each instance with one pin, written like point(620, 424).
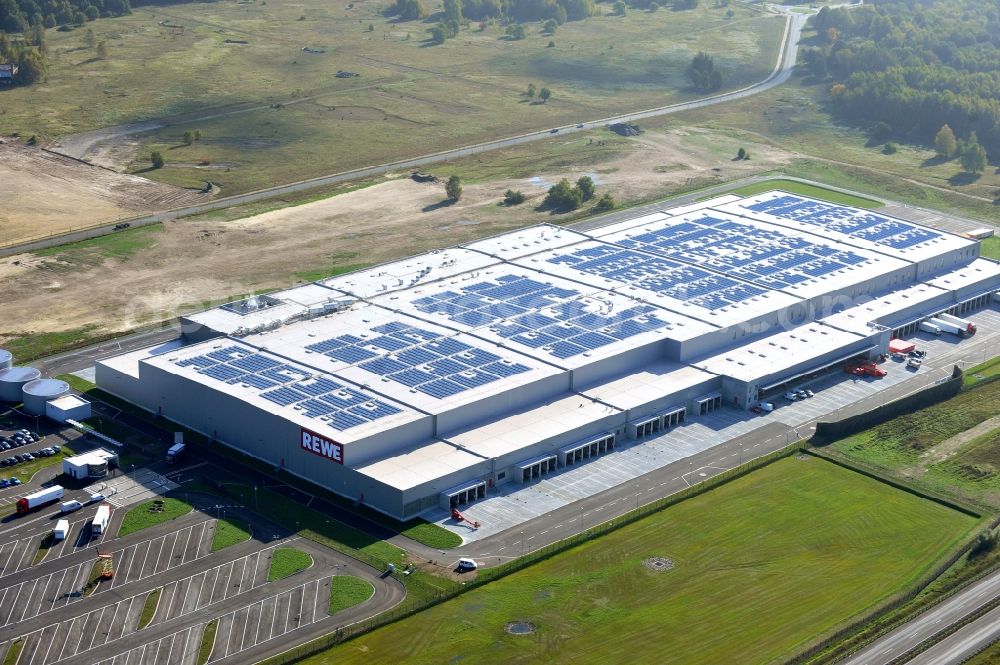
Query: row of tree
point(22, 15)
point(515, 11)
point(914, 67)
point(28, 55)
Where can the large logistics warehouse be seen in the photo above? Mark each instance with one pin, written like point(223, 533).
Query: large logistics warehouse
point(422, 384)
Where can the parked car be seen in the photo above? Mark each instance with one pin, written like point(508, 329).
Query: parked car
point(4, 483)
point(791, 395)
point(914, 363)
point(802, 394)
point(56, 448)
point(766, 407)
point(809, 393)
point(15, 481)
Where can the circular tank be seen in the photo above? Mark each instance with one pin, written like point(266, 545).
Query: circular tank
point(37, 393)
point(6, 359)
point(12, 379)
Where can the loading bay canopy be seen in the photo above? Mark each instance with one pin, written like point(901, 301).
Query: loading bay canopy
point(818, 368)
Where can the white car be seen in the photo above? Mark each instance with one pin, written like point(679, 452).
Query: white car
point(94, 498)
point(467, 564)
point(791, 395)
point(914, 363)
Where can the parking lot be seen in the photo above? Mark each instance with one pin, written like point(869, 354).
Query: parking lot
point(269, 619)
point(16, 555)
point(30, 598)
point(178, 599)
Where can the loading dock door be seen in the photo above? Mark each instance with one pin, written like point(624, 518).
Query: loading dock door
point(708, 403)
point(535, 468)
point(463, 494)
point(577, 452)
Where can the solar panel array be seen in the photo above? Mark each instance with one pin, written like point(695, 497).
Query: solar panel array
point(677, 280)
point(766, 257)
point(340, 406)
point(861, 224)
point(425, 361)
point(541, 316)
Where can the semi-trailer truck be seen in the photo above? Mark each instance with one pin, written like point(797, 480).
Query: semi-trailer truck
point(969, 326)
point(175, 451)
point(947, 327)
point(40, 498)
point(929, 327)
point(101, 519)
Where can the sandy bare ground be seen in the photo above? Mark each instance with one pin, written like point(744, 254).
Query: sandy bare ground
point(194, 262)
point(45, 193)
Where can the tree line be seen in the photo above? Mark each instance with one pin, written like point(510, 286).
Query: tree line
point(911, 68)
point(20, 16)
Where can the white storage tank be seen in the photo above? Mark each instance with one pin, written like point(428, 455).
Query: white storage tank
point(6, 359)
point(37, 393)
point(13, 379)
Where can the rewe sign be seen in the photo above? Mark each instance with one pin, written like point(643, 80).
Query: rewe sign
point(319, 445)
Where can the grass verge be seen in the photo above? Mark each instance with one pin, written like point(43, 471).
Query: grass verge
point(149, 607)
point(43, 548)
point(347, 591)
point(94, 579)
point(432, 535)
point(752, 579)
point(117, 245)
point(287, 561)
point(151, 513)
point(14, 652)
point(207, 641)
point(795, 187)
point(229, 532)
point(984, 372)
point(26, 470)
point(990, 248)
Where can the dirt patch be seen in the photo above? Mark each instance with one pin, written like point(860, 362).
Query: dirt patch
point(46, 193)
point(949, 447)
point(193, 263)
point(658, 564)
point(519, 628)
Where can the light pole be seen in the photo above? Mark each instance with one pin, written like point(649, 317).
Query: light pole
point(256, 505)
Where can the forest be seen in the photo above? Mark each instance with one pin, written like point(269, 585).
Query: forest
point(905, 68)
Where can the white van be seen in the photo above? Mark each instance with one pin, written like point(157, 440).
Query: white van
point(70, 506)
point(467, 564)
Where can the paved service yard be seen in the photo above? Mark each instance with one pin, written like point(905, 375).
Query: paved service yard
point(516, 504)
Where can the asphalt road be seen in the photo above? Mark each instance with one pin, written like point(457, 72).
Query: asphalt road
point(966, 641)
point(782, 71)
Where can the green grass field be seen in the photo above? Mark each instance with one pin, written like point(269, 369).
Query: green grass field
point(795, 187)
point(990, 248)
point(347, 591)
point(763, 565)
point(287, 561)
point(982, 372)
point(899, 447)
point(144, 515)
point(13, 652)
point(229, 532)
point(296, 119)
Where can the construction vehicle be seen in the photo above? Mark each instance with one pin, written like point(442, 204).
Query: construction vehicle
point(108, 569)
point(459, 517)
point(947, 327)
point(969, 326)
point(40, 498)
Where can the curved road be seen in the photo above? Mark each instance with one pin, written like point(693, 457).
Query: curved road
point(782, 71)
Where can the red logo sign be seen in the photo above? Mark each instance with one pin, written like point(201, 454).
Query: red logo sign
point(320, 445)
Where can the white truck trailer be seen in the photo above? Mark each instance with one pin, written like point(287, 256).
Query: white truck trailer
point(101, 519)
point(61, 530)
point(929, 327)
point(40, 498)
point(174, 452)
point(969, 326)
point(952, 328)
